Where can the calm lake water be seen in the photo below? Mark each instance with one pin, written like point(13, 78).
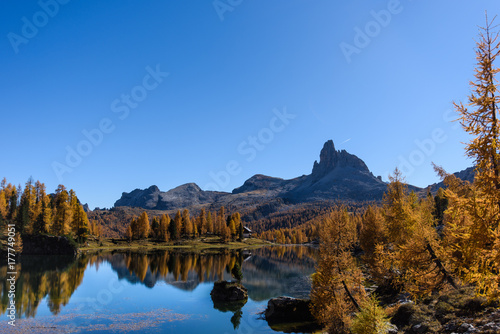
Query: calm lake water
point(159, 292)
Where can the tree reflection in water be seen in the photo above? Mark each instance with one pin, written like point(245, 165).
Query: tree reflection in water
point(268, 272)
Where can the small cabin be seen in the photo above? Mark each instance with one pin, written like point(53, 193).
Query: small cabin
point(247, 233)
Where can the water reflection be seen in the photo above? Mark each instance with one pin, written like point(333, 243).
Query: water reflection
point(268, 272)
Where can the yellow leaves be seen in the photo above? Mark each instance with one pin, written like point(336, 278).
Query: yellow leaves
point(337, 277)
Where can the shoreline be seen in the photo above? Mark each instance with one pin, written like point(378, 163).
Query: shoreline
point(187, 244)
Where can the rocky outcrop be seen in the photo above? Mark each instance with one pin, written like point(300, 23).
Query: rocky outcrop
point(147, 198)
point(48, 245)
point(186, 195)
point(224, 291)
point(338, 175)
point(288, 309)
point(331, 159)
point(290, 315)
point(260, 182)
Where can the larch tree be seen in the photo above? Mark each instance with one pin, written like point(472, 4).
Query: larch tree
point(164, 227)
point(144, 226)
point(176, 226)
point(472, 219)
point(63, 212)
point(373, 233)
point(203, 222)
point(337, 288)
point(210, 223)
point(134, 226)
point(186, 222)
point(128, 233)
point(409, 256)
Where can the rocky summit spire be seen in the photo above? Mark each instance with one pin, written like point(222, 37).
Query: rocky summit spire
point(330, 159)
point(327, 159)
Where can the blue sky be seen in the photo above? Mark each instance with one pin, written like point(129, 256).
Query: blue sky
point(213, 92)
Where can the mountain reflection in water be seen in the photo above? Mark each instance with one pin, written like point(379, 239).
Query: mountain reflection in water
point(268, 272)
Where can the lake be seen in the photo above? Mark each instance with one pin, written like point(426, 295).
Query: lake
point(156, 291)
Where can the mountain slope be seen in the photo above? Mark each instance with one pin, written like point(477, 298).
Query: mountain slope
point(338, 175)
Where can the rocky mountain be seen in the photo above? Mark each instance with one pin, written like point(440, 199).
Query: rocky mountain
point(265, 200)
point(338, 175)
point(186, 195)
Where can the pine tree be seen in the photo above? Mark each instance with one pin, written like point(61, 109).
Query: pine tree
point(155, 228)
point(240, 232)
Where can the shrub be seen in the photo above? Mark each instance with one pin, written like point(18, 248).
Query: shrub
point(372, 318)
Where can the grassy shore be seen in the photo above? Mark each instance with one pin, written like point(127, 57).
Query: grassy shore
point(193, 244)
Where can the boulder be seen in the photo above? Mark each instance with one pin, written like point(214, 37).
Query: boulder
point(224, 291)
point(288, 309)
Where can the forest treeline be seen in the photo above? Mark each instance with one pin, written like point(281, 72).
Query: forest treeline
point(33, 211)
point(184, 225)
point(420, 246)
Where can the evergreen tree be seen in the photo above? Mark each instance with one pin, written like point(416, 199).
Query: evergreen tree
point(240, 232)
point(155, 228)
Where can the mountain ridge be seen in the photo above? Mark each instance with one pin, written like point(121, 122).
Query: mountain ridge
point(338, 175)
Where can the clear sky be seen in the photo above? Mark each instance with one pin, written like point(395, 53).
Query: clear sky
point(108, 96)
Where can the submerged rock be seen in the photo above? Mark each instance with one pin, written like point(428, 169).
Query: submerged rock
point(224, 291)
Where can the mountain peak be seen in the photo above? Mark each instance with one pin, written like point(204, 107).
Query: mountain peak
point(330, 159)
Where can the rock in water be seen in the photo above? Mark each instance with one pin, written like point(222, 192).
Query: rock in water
point(288, 309)
point(224, 291)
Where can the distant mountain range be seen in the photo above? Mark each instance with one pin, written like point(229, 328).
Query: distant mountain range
point(265, 202)
point(338, 176)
